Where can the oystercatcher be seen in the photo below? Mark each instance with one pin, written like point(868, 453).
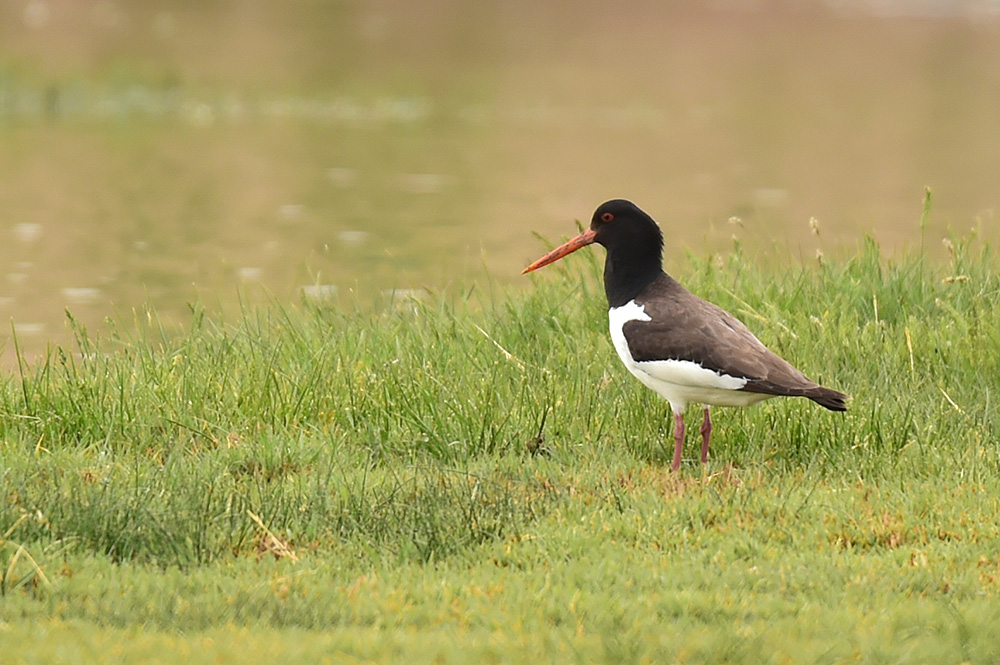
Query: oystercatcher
point(684, 348)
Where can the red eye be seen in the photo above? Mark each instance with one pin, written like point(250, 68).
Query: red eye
point(607, 217)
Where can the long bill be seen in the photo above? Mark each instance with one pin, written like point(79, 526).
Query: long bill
point(582, 240)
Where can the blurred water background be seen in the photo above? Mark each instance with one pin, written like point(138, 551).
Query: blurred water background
point(165, 151)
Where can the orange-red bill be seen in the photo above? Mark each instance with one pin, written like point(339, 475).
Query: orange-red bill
point(582, 240)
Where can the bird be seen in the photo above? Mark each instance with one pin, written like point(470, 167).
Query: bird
point(686, 349)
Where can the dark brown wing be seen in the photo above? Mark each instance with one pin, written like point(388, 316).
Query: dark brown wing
point(685, 327)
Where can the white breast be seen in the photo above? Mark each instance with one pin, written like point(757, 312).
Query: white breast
point(680, 382)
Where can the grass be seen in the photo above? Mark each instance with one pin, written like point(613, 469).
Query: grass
point(368, 484)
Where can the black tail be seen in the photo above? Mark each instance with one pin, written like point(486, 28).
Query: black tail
point(831, 399)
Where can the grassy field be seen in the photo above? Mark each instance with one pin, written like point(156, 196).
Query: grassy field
point(331, 484)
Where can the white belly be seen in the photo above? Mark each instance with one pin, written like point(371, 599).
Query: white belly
point(680, 382)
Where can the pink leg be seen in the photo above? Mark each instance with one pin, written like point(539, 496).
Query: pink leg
point(706, 434)
point(678, 440)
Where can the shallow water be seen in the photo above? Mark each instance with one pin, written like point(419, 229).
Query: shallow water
point(286, 150)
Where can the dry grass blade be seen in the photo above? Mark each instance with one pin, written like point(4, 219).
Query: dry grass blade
point(271, 543)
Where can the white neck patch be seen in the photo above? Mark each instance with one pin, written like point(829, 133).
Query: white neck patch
point(617, 318)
